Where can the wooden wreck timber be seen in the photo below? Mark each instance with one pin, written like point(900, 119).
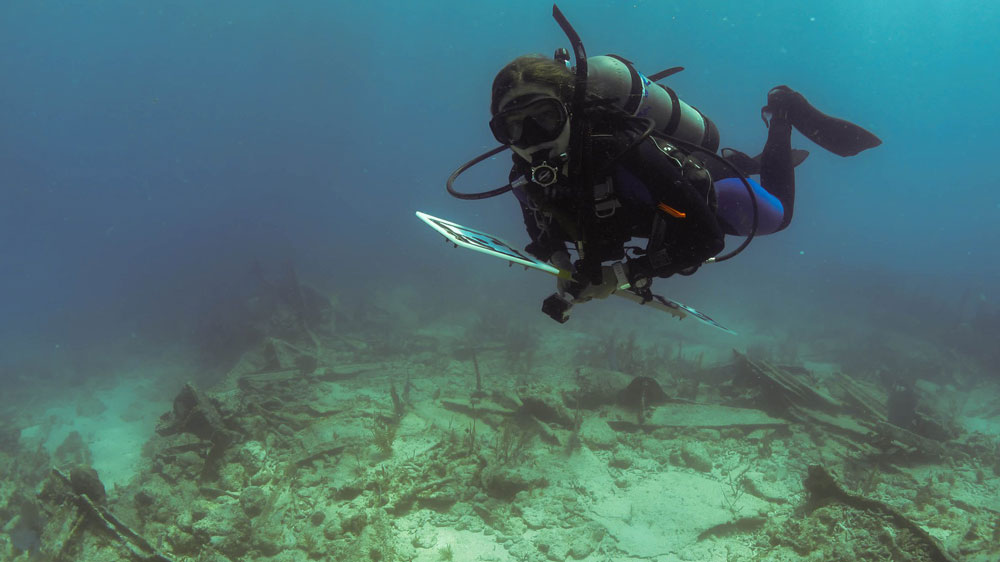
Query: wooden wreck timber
point(824, 488)
point(76, 523)
point(789, 390)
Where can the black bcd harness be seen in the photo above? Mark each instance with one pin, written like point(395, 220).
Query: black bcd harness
point(588, 206)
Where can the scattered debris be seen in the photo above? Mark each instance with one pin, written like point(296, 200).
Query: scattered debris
point(79, 528)
point(304, 451)
point(823, 488)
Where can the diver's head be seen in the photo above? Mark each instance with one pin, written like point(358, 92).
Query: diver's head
point(530, 102)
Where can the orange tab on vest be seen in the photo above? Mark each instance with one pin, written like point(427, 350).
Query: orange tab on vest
point(671, 211)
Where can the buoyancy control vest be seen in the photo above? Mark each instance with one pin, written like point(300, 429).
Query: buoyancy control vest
point(618, 195)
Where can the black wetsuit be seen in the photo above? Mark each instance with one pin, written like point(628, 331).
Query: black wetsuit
point(652, 183)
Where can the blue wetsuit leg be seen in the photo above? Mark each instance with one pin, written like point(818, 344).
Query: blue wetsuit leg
point(735, 212)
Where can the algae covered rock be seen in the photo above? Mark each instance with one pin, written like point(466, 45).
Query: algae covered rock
point(642, 392)
point(153, 504)
point(765, 488)
point(535, 517)
point(181, 541)
point(598, 387)
point(192, 413)
point(585, 540)
point(272, 540)
point(504, 482)
point(252, 500)
point(553, 544)
point(232, 477)
point(695, 456)
point(85, 482)
point(225, 528)
point(596, 434)
point(546, 408)
point(576, 544)
point(252, 455)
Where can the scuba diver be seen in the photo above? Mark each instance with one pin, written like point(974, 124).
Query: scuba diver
point(605, 155)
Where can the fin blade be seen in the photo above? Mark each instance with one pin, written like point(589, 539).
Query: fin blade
point(836, 135)
point(664, 73)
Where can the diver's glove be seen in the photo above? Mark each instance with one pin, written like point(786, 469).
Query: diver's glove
point(562, 260)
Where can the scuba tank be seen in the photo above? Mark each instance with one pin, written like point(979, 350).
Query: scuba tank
point(612, 77)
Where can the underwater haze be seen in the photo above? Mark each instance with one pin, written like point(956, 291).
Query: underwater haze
point(170, 170)
point(151, 152)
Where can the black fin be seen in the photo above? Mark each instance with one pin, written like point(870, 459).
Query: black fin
point(751, 165)
point(798, 156)
point(664, 73)
point(836, 135)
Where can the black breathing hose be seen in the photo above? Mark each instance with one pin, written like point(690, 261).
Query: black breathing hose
point(483, 194)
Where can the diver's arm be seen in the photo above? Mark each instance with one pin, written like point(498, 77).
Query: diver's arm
point(544, 243)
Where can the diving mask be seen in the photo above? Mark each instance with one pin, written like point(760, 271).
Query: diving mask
point(537, 121)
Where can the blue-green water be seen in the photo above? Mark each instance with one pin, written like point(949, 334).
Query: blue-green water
point(149, 152)
point(164, 169)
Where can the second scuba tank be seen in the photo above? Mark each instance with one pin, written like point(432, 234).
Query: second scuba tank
point(612, 77)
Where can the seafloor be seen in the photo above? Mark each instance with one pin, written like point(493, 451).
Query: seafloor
point(339, 433)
